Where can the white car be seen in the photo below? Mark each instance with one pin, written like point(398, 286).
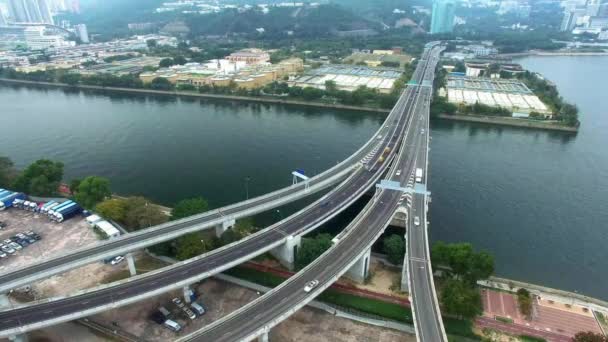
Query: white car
point(416, 220)
point(16, 246)
point(311, 285)
point(422, 131)
point(117, 260)
point(398, 173)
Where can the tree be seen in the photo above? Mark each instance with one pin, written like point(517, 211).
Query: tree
point(70, 78)
point(191, 245)
point(589, 336)
point(524, 301)
point(74, 184)
point(113, 209)
point(180, 60)
point(463, 262)
point(311, 248)
point(41, 178)
point(141, 213)
point(92, 190)
point(461, 300)
point(166, 62)
point(394, 247)
point(331, 87)
point(7, 172)
point(161, 83)
point(310, 93)
point(189, 207)
point(152, 43)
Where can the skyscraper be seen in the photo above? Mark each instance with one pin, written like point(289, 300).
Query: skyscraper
point(30, 11)
point(45, 12)
point(83, 34)
point(2, 18)
point(443, 16)
point(17, 11)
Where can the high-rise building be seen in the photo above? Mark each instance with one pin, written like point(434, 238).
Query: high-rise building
point(571, 18)
point(593, 7)
point(30, 11)
point(442, 20)
point(82, 32)
point(2, 18)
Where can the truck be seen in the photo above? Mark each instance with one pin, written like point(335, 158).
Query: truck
point(7, 201)
point(418, 175)
point(18, 203)
point(4, 193)
point(46, 205)
point(52, 212)
point(47, 208)
point(67, 212)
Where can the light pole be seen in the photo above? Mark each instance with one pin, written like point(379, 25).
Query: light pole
point(280, 215)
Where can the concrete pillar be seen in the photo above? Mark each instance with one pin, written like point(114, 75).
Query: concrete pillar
point(187, 294)
point(131, 263)
point(360, 270)
point(286, 253)
point(263, 337)
point(221, 228)
point(405, 270)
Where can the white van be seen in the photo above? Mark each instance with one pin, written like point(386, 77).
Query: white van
point(196, 307)
point(173, 325)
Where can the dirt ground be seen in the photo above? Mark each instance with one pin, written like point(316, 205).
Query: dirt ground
point(221, 298)
point(383, 279)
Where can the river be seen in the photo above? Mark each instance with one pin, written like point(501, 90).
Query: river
point(534, 199)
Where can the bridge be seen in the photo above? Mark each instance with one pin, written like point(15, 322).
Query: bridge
point(281, 237)
point(352, 248)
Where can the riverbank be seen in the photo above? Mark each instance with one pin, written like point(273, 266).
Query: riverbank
point(507, 121)
point(550, 53)
point(199, 95)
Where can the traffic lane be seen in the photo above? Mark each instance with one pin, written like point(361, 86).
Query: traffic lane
point(424, 305)
point(281, 302)
point(68, 305)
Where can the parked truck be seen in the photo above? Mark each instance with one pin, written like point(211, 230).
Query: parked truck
point(52, 212)
point(418, 175)
point(45, 206)
point(67, 212)
point(46, 209)
point(7, 201)
point(4, 193)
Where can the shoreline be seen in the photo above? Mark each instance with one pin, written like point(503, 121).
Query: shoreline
point(551, 53)
point(504, 121)
point(200, 95)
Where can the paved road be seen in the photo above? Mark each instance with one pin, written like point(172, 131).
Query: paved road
point(269, 310)
point(141, 287)
point(171, 230)
point(428, 323)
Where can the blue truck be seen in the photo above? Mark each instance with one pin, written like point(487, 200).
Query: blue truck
point(52, 212)
point(7, 202)
point(4, 193)
point(46, 209)
point(45, 206)
point(67, 212)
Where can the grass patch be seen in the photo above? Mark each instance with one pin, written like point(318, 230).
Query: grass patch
point(504, 319)
point(261, 278)
point(463, 328)
point(528, 338)
point(371, 306)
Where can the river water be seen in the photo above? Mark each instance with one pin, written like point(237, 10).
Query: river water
point(534, 199)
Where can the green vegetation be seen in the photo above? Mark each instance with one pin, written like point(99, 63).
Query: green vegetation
point(462, 261)
point(41, 178)
point(7, 172)
point(392, 311)
point(91, 190)
point(189, 207)
point(460, 299)
point(504, 319)
point(524, 301)
point(311, 248)
point(134, 213)
point(394, 247)
point(589, 337)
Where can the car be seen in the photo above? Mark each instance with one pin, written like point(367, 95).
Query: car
point(158, 317)
point(30, 240)
point(8, 249)
point(16, 246)
point(178, 302)
point(3, 255)
point(172, 325)
point(198, 308)
point(2, 225)
point(311, 285)
point(422, 131)
point(189, 313)
point(21, 235)
point(398, 173)
point(117, 260)
point(416, 220)
point(7, 241)
point(23, 242)
point(379, 137)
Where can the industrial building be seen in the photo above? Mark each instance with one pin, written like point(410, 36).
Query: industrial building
point(349, 78)
point(510, 94)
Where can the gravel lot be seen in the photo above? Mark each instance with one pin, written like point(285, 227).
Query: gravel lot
point(56, 237)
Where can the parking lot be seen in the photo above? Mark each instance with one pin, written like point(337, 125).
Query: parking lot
point(54, 238)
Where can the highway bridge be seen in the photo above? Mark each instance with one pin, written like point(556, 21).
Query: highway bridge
point(220, 219)
point(377, 215)
point(352, 248)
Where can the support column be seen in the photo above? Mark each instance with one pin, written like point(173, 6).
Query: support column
point(406, 268)
point(360, 270)
point(131, 263)
point(188, 294)
point(286, 253)
point(263, 337)
point(221, 228)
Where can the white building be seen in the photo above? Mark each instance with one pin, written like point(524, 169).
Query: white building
point(82, 33)
point(36, 40)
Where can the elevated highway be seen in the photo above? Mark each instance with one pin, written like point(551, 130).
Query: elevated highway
point(44, 313)
point(353, 246)
point(219, 219)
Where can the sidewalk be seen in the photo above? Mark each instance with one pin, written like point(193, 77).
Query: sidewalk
point(518, 329)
